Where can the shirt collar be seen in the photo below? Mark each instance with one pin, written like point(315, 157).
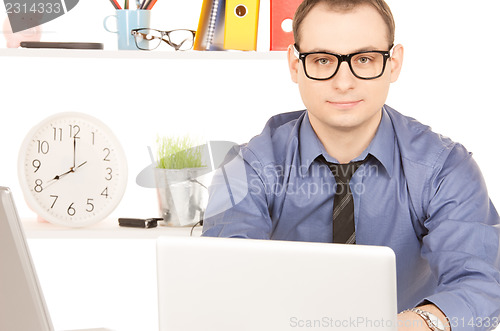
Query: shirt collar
point(381, 147)
point(309, 145)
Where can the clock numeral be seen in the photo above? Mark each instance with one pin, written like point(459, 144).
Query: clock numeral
point(90, 205)
point(43, 147)
point(76, 128)
point(38, 186)
point(55, 199)
point(108, 175)
point(93, 138)
point(36, 164)
point(58, 132)
point(71, 211)
point(104, 193)
point(107, 151)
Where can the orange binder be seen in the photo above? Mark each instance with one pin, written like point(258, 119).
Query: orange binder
point(282, 12)
point(241, 24)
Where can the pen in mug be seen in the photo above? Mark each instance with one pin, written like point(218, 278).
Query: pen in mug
point(148, 4)
point(145, 4)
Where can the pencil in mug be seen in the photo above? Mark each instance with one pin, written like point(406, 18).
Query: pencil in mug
point(151, 4)
point(115, 4)
point(126, 5)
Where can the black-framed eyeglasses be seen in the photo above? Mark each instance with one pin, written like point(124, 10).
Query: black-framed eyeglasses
point(149, 39)
point(324, 65)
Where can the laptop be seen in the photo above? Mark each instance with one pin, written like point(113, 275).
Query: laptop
point(22, 304)
point(229, 284)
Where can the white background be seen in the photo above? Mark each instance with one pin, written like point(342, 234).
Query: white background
point(449, 81)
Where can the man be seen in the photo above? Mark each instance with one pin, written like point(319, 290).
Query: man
point(412, 190)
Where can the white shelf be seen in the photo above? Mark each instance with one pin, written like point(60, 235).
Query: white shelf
point(115, 54)
point(107, 229)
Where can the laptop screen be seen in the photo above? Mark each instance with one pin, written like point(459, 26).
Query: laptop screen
point(22, 306)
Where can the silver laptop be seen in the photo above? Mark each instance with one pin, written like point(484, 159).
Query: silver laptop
point(242, 284)
point(22, 304)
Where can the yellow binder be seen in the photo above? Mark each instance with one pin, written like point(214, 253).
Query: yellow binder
point(241, 24)
point(201, 32)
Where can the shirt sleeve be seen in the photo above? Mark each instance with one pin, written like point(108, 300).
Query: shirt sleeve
point(462, 244)
point(237, 205)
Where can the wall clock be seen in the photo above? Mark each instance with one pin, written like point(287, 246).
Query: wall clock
point(72, 169)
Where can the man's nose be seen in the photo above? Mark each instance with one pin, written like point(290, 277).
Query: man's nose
point(344, 79)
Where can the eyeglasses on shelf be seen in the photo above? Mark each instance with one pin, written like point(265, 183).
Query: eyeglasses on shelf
point(149, 39)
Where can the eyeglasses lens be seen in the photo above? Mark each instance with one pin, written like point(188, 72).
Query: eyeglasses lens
point(147, 39)
point(182, 39)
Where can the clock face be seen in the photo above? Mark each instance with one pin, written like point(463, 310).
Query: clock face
point(72, 170)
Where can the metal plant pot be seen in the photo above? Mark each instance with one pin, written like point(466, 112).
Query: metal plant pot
point(182, 194)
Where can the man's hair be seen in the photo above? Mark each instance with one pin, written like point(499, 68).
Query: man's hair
point(344, 6)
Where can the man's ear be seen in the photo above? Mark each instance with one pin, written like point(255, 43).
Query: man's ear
point(396, 62)
point(293, 63)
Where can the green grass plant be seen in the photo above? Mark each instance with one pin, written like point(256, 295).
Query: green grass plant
point(178, 153)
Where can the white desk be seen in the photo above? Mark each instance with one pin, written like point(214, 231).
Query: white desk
point(107, 229)
point(99, 276)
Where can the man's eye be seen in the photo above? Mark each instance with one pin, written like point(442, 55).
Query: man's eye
point(323, 61)
point(364, 60)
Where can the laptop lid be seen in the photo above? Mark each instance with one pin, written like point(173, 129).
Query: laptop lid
point(242, 284)
point(22, 305)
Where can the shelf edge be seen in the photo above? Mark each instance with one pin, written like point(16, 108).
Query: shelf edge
point(115, 54)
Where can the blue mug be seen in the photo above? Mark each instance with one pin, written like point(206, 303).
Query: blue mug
point(126, 20)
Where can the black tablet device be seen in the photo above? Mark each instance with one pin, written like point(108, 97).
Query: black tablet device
point(65, 45)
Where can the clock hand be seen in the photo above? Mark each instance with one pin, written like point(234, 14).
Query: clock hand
point(73, 169)
point(74, 152)
point(57, 177)
point(79, 166)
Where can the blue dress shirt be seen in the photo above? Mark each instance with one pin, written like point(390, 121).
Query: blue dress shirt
point(420, 193)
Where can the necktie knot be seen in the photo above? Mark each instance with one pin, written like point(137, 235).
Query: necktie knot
point(344, 172)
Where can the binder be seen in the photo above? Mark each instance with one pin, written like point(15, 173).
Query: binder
point(217, 42)
point(282, 11)
point(210, 31)
point(241, 24)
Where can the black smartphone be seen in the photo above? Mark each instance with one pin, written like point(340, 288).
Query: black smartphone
point(139, 222)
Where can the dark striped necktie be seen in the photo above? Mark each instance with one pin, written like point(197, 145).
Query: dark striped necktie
point(344, 231)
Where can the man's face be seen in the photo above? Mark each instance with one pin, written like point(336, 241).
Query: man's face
point(344, 102)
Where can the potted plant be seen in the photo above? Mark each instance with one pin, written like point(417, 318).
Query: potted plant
point(181, 180)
